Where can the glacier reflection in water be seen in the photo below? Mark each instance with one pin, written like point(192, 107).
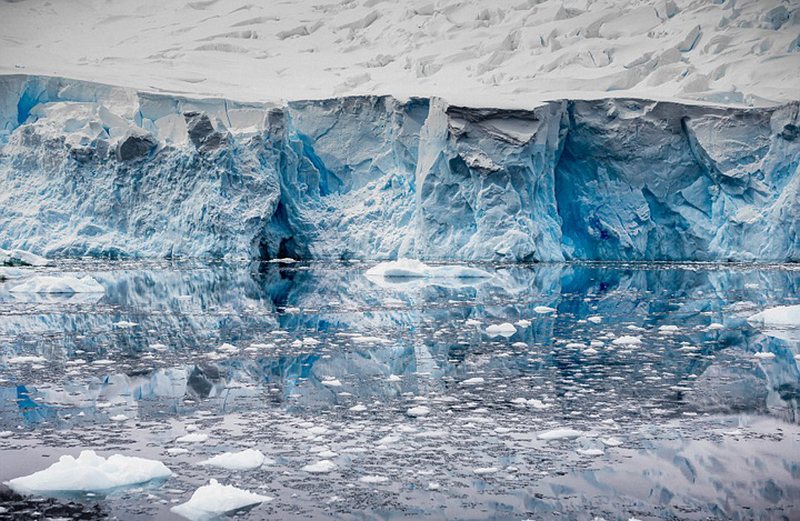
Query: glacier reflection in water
point(295, 358)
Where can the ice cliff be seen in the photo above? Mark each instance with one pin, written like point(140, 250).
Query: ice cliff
point(89, 169)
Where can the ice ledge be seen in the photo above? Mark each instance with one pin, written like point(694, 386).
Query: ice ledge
point(101, 170)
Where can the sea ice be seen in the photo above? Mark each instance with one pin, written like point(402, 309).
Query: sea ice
point(213, 500)
point(90, 472)
point(247, 459)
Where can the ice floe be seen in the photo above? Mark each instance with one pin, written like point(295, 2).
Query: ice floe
point(213, 500)
point(247, 459)
point(90, 472)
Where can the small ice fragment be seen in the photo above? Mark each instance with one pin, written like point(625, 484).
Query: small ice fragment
point(715, 326)
point(544, 309)
point(213, 500)
point(419, 410)
point(764, 356)
point(596, 319)
point(481, 471)
point(332, 382)
point(472, 381)
point(627, 340)
point(523, 323)
point(320, 467)
point(247, 459)
point(560, 434)
point(193, 437)
point(611, 442)
point(358, 408)
point(590, 452)
point(122, 324)
point(26, 360)
point(393, 378)
point(118, 418)
point(373, 480)
point(506, 329)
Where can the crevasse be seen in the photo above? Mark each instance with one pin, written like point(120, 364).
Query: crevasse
point(90, 169)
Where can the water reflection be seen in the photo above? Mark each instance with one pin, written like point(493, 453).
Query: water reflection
point(155, 336)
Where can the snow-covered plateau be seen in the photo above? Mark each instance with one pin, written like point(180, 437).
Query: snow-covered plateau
point(91, 169)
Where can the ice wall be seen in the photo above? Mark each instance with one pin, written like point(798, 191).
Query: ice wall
point(88, 169)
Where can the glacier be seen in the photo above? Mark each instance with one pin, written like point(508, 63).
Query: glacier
point(96, 170)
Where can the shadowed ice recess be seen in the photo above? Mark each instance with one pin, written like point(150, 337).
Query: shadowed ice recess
point(675, 405)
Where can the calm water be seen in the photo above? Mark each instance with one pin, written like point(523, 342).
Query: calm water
point(321, 360)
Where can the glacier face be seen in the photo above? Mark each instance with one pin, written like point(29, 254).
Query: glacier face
point(90, 169)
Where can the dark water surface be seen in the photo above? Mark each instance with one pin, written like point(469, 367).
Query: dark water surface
point(324, 363)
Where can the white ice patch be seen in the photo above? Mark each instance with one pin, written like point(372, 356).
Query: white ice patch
point(213, 500)
point(627, 340)
point(506, 329)
point(320, 467)
point(90, 472)
point(247, 459)
point(560, 434)
point(544, 310)
point(419, 410)
point(59, 284)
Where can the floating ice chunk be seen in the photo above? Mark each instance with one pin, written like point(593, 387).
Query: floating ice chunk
point(590, 452)
point(627, 340)
point(193, 437)
point(544, 309)
point(560, 434)
point(394, 378)
point(11, 273)
point(506, 329)
point(228, 348)
point(59, 284)
point(595, 319)
point(22, 258)
point(213, 500)
point(472, 322)
point(715, 326)
point(611, 442)
point(331, 382)
point(590, 351)
point(419, 410)
point(90, 472)
point(358, 408)
point(523, 323)
point(764, 356)
point(26, 360)
point(473, 381)
point(123, 324)
point(320, 467)
point(247, 459)
point(174, 451)
point(668, 329)
point(373, 480)
point(482, 471)
point(118, 418)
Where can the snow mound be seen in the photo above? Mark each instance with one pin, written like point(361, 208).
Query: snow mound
point(247, 459)
point(90, 472)
point(213, 500)
point(59, 284)
point(410, 268)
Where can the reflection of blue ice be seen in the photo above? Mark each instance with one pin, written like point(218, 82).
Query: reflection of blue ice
point(427, 339)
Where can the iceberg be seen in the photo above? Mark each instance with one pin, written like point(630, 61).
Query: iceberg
point(90, 472)
point(247, 459)
point(780, 322)
point(213, 500)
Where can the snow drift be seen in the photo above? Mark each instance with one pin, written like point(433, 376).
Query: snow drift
point(89, 169)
